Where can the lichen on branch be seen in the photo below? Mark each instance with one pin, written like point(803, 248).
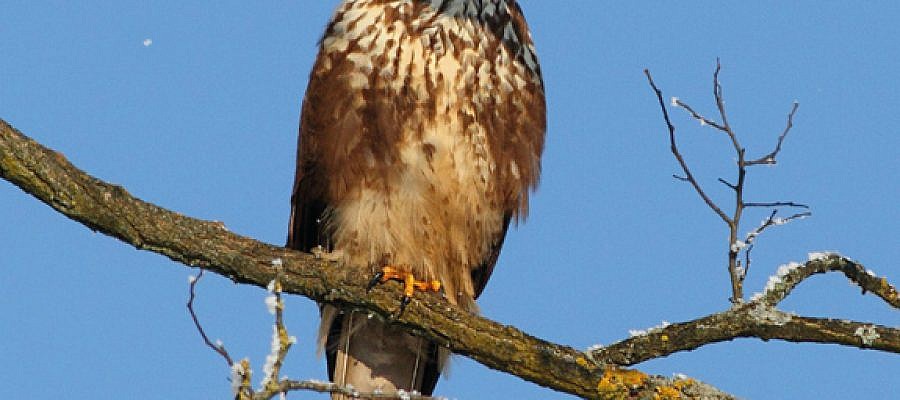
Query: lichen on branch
point(49, 177)
point(110, 209)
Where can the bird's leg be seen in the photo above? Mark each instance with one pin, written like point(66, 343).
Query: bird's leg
point(410, 283)
point(322, 253)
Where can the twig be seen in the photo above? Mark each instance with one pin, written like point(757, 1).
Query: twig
point(720, 104)
point(736, 270)
point(729, 184)
point(240, 380)
point(771, 220)
point(218, 348)
point(703, 120)
point(688, 176)
point(733, 222)
point(777, 204)
point(281, 341)
point(287, 385)
point(769, 159)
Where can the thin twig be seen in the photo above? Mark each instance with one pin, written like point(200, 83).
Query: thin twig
point(769, 159)
point(736, 268)
point(735, 271)
point(688, 176)
point(729, 184)
point(287, 385)
point(219, 348)
point(703, 120)
point(777, 204)
point(750, 239)
point(281, 342)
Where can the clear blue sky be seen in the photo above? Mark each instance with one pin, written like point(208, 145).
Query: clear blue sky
point(203, 121)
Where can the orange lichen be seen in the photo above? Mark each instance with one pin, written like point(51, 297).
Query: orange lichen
point(683, 383)
point(618, 383)
point(673, 391)
point(243, 392)
point(667, 393)
point(582, 362)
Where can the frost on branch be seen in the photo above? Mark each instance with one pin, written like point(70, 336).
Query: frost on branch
point(766, 314)
point(867, 334)
point(776, 282)
point(644, 332)
point(737, 268)
point(821, 255)
point(240, 378)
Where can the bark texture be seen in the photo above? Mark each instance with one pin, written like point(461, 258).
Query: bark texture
point(110, 209)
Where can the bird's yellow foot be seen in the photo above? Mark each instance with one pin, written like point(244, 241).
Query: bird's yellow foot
point(410, 283)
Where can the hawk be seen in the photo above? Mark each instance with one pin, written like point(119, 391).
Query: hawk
point(420, 139)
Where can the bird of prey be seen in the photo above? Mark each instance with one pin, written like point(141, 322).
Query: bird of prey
point(421, 133)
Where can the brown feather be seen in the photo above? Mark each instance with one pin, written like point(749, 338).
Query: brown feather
point(420, 138)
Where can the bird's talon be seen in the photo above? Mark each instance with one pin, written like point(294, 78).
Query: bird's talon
point(403, 303)
point(374, 281)
point(410, 284)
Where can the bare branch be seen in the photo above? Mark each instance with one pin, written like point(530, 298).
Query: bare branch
point(736, 270)
point(760, 319)
point(218, 347)
point(688, 176)
point(769, 159)
point(281, 341)
point(287, 385)
point(703, 120)
point(791, 275)
point(110, 209)
point(750, 239)
point(777, 204)
point(720, 104)
point(729, 184)
point(751, 320)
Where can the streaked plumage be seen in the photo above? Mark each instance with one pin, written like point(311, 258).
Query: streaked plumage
point(420, 138)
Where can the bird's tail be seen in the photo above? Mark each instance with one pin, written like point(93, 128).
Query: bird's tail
point(373, 356)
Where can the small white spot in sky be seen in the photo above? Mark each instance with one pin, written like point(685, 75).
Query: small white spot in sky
point(148, 42)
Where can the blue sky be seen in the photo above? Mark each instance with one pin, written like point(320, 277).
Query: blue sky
point(203, 121)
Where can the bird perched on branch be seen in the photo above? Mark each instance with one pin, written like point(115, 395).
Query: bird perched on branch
point(420, 139)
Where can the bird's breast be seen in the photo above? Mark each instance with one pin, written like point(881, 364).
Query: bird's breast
point(432, 84)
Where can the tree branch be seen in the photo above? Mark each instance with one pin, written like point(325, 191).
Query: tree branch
point(769, 159)
point(789, 276)
point(688, 176)
point(110, 209)
point(217, 347)
point(107, 208)
point(736, 271)
point(751, 320)
point(760, 319)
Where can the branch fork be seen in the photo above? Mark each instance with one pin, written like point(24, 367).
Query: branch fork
point(595, 374)
point(737, 268)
